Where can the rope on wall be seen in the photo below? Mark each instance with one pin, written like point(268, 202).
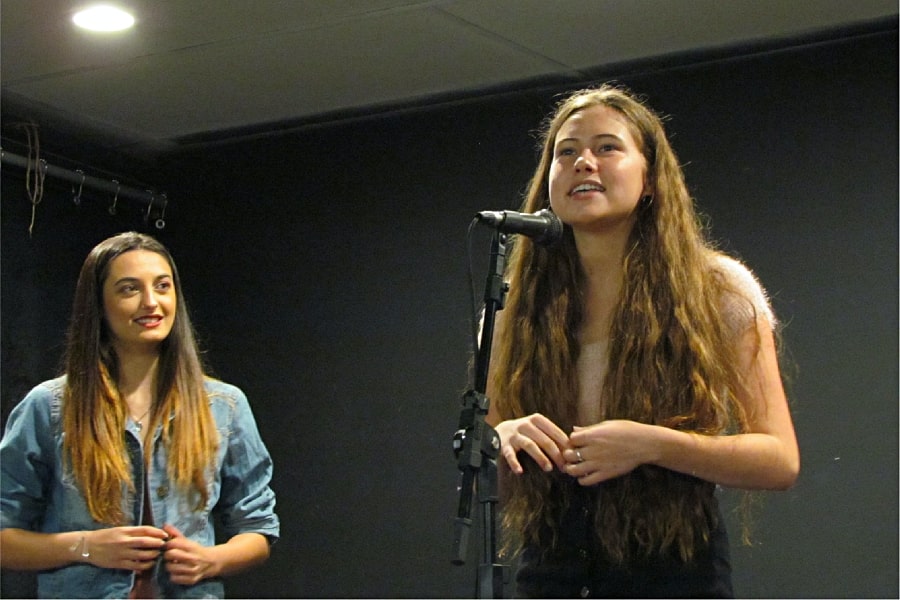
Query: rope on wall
point(34, 176)
point(36, 169)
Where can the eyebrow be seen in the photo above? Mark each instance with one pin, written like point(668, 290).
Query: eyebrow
point(130, 279)
point(593, 137)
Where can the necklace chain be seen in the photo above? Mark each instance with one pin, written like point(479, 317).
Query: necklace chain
point(137, 421)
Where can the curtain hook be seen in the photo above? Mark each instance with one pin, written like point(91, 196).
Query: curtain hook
point(77, 197)
point(112, 207)
point(161, 221)
point(149, 205)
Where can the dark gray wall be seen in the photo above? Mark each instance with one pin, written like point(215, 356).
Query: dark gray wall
point(326, 272)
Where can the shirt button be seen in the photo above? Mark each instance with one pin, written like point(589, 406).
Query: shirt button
point(162, 491)
point(585, 592)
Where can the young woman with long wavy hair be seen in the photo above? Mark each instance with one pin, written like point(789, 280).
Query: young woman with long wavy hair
point(634, 370)
point(114, 474)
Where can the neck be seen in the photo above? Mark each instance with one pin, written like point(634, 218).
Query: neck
point(137, 381)
point(601, 258)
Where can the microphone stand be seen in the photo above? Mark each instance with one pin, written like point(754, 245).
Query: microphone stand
point(477, 445)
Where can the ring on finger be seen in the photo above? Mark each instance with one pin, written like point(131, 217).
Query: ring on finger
point(578, 454)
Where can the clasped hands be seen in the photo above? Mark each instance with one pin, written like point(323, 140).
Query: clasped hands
point(590, 454)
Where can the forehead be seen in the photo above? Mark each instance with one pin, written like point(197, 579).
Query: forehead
point(136, 263)
point(593, 121)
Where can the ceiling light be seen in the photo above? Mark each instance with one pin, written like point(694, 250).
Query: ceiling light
point(103, 18)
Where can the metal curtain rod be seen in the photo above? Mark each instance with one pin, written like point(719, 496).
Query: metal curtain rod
point(146, 197)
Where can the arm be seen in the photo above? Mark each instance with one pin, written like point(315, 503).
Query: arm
point(132, 548)
point(766, 457)
point(30, 551)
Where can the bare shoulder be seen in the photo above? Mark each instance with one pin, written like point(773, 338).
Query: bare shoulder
point(746, 298)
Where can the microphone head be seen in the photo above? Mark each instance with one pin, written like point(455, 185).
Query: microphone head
point(543, 227)
point(492, 218)
point(554, 232)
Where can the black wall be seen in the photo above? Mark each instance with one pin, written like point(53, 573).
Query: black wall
point(326, 270)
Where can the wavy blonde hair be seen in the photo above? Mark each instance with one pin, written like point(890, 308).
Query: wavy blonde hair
point(94, 414)
point(672, 358)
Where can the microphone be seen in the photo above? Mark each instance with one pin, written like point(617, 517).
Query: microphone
point(544, 226)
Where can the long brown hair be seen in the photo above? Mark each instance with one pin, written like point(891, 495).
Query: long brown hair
point(671, 355)
point(93, 413)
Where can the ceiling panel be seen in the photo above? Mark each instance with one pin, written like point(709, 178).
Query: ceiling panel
point(589, 34)
point(198, 67)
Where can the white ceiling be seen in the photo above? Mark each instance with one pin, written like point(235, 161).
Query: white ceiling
point(194, 67)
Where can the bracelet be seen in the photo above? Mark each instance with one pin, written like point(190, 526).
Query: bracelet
point(82, 542)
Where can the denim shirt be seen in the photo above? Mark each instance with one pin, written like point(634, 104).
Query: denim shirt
point(36, 494)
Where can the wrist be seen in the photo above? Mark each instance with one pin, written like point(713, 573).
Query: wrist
point(664, 443)
point(677, 450)
point(79, 547)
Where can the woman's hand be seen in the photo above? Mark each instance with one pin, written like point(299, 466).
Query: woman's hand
point(132, 548)
point(537, 436)
point(607, 450)
point(187, 561)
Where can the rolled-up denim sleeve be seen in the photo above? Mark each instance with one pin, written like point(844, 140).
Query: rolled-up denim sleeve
point(246, 503)
point(27, 457)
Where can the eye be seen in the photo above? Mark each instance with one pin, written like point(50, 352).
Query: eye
point(164, 285)
point(565, 151)
point(605, 148)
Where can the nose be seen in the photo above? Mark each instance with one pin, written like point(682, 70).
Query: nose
point(148, 298)
point(585, 162)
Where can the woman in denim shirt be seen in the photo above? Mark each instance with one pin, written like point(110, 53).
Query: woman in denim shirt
point(112, 475)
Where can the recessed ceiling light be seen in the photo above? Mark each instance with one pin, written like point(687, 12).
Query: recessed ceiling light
point(103, 18)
